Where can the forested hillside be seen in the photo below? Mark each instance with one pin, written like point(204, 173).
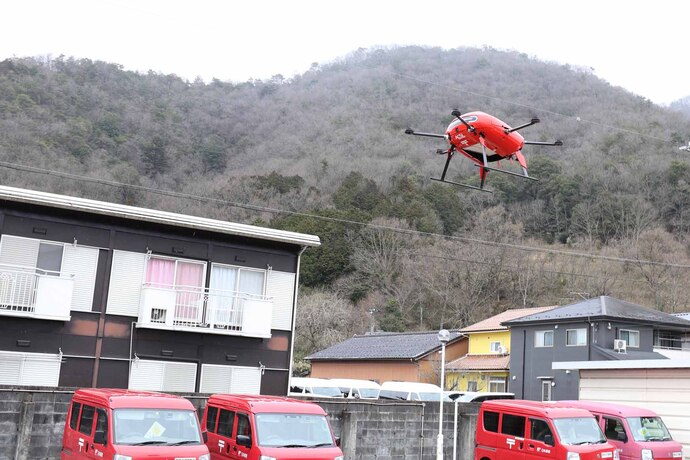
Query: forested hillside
point(324, 153)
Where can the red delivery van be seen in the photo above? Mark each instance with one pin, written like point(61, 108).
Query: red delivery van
point(255, 427)
point(638, 433)
point(531, 430)
point(116, 424)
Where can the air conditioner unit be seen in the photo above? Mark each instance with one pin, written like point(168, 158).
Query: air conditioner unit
point(619, 345)
point(502, 350)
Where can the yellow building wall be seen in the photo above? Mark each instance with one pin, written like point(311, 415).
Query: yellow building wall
point(480, 342)
point(459, 381)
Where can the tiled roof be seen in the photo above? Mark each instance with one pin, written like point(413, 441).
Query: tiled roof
point(384, 345)
point(604, 307)
point(480, 363)
point(494, 323)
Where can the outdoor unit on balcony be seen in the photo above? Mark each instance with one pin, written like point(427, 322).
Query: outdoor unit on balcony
point(619, 345)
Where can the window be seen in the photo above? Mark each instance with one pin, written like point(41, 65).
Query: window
point(668, 339)
point(576, 337)
point(513, 425)
point(539, 430)
point(471, 385)
point(546, 390)
point(86, 420)
point(225, 421)
point(497, 385)
point(74, 416)
point(102, 422)
point(612, 428)
point(186, 278)
point(211, 417)
point(49, 258)
point(495, 347)
point(490, 421)
point(632, 338)
point(243, 426)
point(543, 339)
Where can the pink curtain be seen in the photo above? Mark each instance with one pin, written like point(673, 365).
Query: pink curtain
point(189, 275)
point(160, 272)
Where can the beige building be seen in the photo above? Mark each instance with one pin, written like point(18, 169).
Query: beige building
point(384, 356)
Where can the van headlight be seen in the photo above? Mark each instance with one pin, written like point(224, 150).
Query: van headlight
point(266, 457)
point(616, 454)
point(205, 457)
point(339, 457)
point(647, 454)
point(122, 457)
point(573, 456)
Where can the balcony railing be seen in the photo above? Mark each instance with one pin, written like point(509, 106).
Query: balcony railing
point(35, 293)
point(205, 310)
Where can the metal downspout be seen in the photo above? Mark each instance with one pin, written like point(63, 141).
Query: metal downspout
point(294, 317)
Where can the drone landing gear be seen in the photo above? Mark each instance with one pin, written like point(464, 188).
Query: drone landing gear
point(450, 152)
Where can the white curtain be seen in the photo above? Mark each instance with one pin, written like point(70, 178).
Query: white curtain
point(222, 296)
point(251, 282)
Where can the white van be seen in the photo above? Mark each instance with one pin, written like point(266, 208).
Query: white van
point(356, 388)
point(317, 388)
point(410, 391)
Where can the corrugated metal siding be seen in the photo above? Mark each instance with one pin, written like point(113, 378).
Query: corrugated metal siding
point(127, 275)
point(15, 250)
point(82, 263)
point(34, 369)
point(230, 379)
point(665, 391)
point(162, 376)
point(281, 287)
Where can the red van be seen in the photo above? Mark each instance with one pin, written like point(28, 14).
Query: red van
point(115, 424)
point(257, 427)
point(639, 434)
point(531, 430)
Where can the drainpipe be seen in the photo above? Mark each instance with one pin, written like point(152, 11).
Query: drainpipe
point(294, 317)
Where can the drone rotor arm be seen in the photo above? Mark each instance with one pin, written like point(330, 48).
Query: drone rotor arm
point(416, 133)
point(557, 143)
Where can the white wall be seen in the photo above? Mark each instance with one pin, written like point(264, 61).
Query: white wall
point(665, 391)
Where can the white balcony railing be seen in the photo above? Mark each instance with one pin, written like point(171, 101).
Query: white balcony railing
point(35, 293)
point(205, 310)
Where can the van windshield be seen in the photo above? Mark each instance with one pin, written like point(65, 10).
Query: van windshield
point(578, 430)
point(333, 392)
point(293, 430)
point(369, 393)
point(138, 427)
point(648, 429)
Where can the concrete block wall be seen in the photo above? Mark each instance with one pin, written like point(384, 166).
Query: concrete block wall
point(32, 422)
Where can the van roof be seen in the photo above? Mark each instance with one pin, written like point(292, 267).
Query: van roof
point(543, 409)
point(266, 404)
point(311, 381)
point(609, 408)
point(410, 386)
point(356, 383)
point(121, 398)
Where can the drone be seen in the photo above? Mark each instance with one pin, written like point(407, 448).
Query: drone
point(491, 134)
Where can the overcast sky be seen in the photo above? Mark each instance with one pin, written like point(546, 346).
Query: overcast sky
point(641, 46)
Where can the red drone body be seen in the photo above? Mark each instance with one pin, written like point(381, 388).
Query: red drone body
point(491, 134)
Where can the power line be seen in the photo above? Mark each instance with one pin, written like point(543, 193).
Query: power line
point(519, 247)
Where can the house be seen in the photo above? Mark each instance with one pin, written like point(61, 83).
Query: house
point(383, 356)
point(599, 329)
point(486, 365)
point(96, 294)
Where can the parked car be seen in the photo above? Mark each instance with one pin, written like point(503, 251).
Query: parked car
point(410, 391)
point(479, 396)
point(309, 386)
point(534, 430)
point(358, 389)
point(258, 427)
point(639, 434)
point(116, 424)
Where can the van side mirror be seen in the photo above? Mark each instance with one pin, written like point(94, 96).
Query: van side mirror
point(244, 441)
point(204, 436)
point(622, 436)
point(100, 437)
point(337, 441)
point(548, 440)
